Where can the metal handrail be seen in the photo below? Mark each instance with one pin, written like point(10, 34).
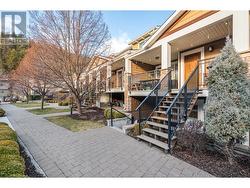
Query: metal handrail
point(156, 86)
point(121, 113)
point(186, 104)
point(182, 88)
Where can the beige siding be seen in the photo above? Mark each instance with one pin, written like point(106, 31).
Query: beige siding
point(188, 18)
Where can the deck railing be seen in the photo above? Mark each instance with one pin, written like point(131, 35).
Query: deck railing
point(113, 85)
point(144, 81)
point(203, 69)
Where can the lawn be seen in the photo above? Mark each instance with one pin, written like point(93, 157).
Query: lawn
point(75, 125)
point(29, 105)
point(48, 111)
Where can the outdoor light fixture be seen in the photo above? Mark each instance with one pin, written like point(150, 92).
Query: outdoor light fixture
point(210, 48)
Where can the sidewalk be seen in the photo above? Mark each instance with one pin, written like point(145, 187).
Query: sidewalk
point(102, 152)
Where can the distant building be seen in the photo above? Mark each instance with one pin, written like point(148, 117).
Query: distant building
point(4, 88)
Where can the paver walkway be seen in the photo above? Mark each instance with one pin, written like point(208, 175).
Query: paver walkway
point(102, 152)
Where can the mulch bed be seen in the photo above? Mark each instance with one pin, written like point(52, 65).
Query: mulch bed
point(30, 168)
point(214, 163)
point(90, 113)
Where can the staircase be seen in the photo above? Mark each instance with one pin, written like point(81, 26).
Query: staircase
point(159, 127)
point(155, 129)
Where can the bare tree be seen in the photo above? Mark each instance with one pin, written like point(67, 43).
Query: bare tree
point(20, 82)
point(70, 41)
point(31, 73)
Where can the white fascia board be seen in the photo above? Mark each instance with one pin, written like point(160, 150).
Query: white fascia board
point(161, 30)
point(200, 24)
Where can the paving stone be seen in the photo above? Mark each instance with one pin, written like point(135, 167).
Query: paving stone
point(102, 152)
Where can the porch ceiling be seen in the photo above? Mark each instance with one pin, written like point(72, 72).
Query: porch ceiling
point(152, 57)
point(202, 36)
point(118, 64)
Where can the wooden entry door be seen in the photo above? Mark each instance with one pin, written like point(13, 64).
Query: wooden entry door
point(190, 63)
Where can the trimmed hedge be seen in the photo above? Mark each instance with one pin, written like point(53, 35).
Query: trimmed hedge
point(11, 163)
point(115, 114)
point(2, 112)
point(63, 103)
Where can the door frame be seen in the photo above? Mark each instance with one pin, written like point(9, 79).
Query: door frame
point(186, 53)
point(117, 77)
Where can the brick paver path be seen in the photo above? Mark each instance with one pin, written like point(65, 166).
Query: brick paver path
point(102, 152)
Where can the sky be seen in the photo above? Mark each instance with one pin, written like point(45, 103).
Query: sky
point(124, 26)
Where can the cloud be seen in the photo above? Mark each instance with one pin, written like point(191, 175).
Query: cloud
point(120, 42)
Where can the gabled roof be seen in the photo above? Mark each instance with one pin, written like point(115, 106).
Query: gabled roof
point(163, 28)
point(144, 35)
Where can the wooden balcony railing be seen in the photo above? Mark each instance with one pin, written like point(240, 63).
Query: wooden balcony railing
point(144, 81)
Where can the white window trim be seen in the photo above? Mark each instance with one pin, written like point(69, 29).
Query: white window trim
point(181, 68)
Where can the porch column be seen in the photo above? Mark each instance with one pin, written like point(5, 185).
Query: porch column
point(241, 30)
point(109, 73)
point(165, 56)
point(127, 74)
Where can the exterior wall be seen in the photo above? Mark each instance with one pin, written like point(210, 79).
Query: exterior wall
point(138, 67)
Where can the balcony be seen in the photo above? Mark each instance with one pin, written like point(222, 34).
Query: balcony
point(144, 81)
point(115, 84)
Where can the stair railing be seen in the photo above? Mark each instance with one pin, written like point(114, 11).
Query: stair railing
point(154, 98)
point(114, 109)
point(187, 91)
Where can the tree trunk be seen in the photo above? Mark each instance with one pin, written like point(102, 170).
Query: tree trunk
point(42, 102)
point(228, 150)
point(27, 98)
point(78, 104)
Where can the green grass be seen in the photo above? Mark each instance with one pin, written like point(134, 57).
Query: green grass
point(48, 111)
point(75, 124)
point(29, 105)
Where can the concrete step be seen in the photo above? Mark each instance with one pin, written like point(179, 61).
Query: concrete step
point(158, 143)
point(155, 132)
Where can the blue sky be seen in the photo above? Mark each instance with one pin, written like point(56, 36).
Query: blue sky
point(125, 26)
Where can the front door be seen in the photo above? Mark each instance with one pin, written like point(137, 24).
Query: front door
point(190, 63)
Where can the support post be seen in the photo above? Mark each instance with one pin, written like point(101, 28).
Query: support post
point(185, 102)
point(169, 131)
point(139, 120)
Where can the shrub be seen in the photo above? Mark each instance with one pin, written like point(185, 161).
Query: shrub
point(2, 112)
point(11, 163)
point(7, 150)
point(8, 134)
point(134, 131)
point(115, 114)
point(2, 124)
point(63, 103)
point(192, 136)
point(12, 168)
point(9, 143)
point(228, 104)
point(6, 158)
